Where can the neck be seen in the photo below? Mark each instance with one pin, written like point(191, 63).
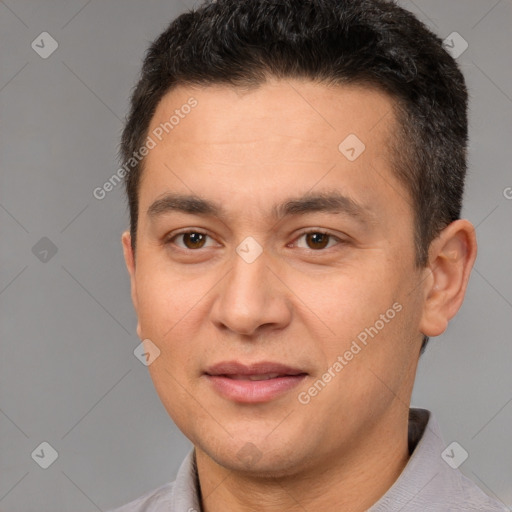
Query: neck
point(351, 480)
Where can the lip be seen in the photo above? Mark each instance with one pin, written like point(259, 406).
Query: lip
point(231, 380)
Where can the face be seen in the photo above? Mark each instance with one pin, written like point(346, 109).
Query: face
point(275, 272)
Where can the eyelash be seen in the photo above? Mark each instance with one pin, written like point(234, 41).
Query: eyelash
point(169, 240)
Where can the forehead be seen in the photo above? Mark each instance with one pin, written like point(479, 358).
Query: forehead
point(298, 109)
point(244, 149)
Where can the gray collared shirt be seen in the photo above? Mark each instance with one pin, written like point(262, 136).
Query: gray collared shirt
point(428, 483)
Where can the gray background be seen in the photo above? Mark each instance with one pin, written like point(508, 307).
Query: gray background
point(68, 375)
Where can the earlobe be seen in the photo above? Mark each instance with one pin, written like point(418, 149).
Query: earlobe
point(129, 259)
point(451, 258)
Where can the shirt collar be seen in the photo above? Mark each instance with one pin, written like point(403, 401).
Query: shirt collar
point(426, 477)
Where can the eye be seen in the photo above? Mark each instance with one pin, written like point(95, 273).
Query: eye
point(317, 240)
point(190, 240)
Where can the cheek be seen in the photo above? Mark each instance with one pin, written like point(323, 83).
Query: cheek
point(172, 308)
point(368, 312)
point(370, 362)
point(168, 314)
point(167, 300)
point(346, 302)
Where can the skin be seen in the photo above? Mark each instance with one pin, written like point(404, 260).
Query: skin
point(295, 304)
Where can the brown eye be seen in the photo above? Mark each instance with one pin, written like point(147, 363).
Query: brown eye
point(189, 240)
point(317, 240)
point(193, 240)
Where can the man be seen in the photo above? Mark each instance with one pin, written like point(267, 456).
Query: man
point(295, 171)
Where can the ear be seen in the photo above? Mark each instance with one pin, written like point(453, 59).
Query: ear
point(451, 258)
point(129, 259)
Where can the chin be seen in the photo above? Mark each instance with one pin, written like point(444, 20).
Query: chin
point(261, 460)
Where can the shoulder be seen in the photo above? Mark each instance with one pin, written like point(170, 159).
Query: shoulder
point(429, 483)
point(473, 498)
point(151, 501)
point(182, 494)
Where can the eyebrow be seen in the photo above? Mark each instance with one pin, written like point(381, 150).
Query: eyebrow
point(329, 202)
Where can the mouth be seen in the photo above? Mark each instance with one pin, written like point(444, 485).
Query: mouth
point(264, 376)
point(253, 383)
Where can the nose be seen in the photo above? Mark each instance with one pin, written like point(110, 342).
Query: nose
point(252, 299)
